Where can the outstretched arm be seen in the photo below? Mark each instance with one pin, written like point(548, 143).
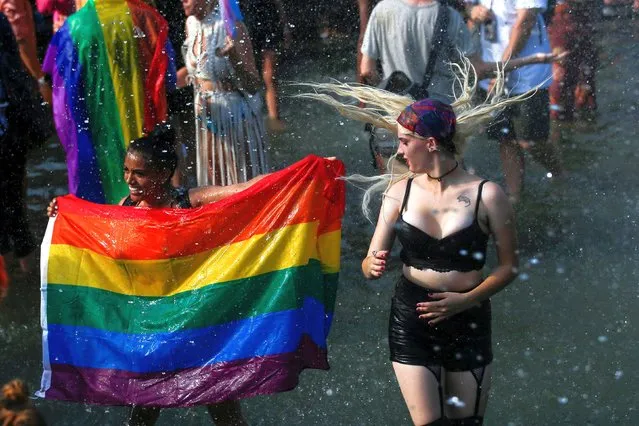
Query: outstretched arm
point(488, 69)
point(210, 194)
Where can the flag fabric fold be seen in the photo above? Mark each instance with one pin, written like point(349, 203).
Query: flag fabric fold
point(109, 65)
point(161, 307)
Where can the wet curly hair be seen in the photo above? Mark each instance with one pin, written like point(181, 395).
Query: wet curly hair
point(15, 407)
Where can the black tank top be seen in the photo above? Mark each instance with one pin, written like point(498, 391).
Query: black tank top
point(463, 250)
point(181, 199)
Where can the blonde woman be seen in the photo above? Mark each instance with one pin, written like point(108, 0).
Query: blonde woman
point(440, 319)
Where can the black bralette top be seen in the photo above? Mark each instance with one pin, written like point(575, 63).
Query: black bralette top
point(463, 250)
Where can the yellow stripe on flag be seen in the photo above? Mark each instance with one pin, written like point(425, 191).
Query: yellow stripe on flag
point(125, 73)
point(287, 247)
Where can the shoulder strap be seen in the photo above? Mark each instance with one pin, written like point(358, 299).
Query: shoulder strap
point(408, 184)
point(481, 186)
point(440, 32)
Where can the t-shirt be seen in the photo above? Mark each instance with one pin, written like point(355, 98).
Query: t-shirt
point(401, 37)
point(525, 78)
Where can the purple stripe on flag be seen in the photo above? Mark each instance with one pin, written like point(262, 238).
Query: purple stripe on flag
point(64, 123)
point(71, 119)
point(195, 386)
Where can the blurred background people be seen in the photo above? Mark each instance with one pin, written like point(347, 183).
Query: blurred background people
point(23, 126)
point(510, 30)
point(111, 64)
point(573, 89)
point(219, 64)
point(270, 33)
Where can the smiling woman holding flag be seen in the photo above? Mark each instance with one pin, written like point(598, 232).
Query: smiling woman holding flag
point(220, 65)
point(202, 298)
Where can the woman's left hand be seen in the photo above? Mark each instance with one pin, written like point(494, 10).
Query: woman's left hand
point(447, 305)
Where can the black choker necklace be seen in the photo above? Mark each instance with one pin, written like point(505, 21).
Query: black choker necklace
point(439, 178)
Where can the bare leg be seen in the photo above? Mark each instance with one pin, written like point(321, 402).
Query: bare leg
point(421, 391)
point(269, 74)
point(228, 413)
point(143, 416)
point(466, 394)
point(512, 160)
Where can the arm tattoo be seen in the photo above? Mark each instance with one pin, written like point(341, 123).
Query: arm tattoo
point(464, 199)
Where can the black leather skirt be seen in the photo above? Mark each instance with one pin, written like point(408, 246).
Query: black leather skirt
point(459, 343)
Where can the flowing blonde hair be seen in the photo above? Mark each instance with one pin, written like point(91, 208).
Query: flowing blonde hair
point(383, 107)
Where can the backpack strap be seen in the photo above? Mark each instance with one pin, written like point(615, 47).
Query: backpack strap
point(440, 38)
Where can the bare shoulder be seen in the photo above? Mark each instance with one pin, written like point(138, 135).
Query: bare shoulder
point(496, 207)
point(121, 203)
point(493, 194)
point(397, 190)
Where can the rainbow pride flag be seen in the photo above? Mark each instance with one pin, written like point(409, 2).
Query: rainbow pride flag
point(108, 64)
point(163, 307)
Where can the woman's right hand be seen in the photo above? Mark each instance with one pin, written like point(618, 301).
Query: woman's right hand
point(374, 265)
point(52, 210)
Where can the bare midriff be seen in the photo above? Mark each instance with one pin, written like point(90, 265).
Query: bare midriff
point(455, 281)
point(214, 86)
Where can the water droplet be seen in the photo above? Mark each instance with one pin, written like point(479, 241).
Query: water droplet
point(562, 400)
point(602, 339)
point(455, 402)
point(618, 374)
point(524, 276)
point(329, 392)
